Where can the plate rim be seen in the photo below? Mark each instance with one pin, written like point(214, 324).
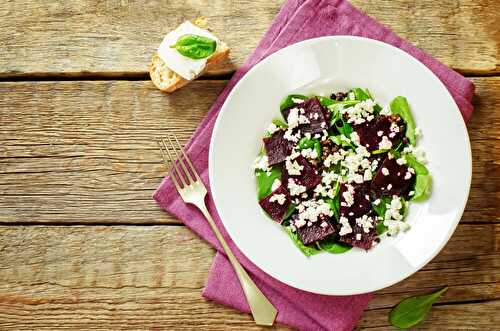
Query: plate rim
point(461, 122)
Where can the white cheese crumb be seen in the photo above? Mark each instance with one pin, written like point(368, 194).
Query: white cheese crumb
point(380, 133)
point(280, 198)
point(385, 143)
point(385, 171)
point(272, 128)
point(262, 163)
point(293, 167)
point(309, 153)
point(348, 196)
point(295, 189)
point(358, 236)
point(276, 184)
point(389, 186)
point(354, 137)
point(346, 227)
point(407, 175)
point(367, 175)
point(293, 118)
point(297, 100)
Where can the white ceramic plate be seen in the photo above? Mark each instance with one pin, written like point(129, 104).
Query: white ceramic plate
point(319, 66)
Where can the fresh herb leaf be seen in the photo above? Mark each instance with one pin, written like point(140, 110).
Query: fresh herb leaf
point(400, 106)
point(331, 246)
point(423, 182)
point(306, 143)
point(413, 310)
point(287, 101)
point(195, 47)
point(359, 94)
point(265, 181)
point(306, 250)
point(289, 211)
point(325, 102)
point(279, 123)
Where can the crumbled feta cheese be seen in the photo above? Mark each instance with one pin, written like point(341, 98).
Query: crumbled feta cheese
point(262, 163)
point(411, 193)
point(401, 161)
point(348, 196)
point(309, 153)
point(394, 127)
point(380, 133)
point(407, 175)
point(365, 222)
point(360, 112)
point(295, 189)
point(376, 202)
point(367, 175)
point(303, 120)
point(332, 159)
point(358, 236)
point(300, 223)
point(389, 186)
point(272, 128)
point(312, 209)
point(385, 171)
point(276, 184)
point(280, 198)
point(293, 118)
point(293, 167)
point(297, 100)
point(417, 152)
point(385, 143)
point(392, 134)
point(354, 137)
point(290, 136)
point(324, 224)
point(346, 227)
point(328, 177)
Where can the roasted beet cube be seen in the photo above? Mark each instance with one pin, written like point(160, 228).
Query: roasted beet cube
point(314, 112)
point(315, 232)
point(358, 237)
point(277, 147)
point(354, 200)
point(371, 134)
point(392, 179)
point(271, 204)
point(309, 176)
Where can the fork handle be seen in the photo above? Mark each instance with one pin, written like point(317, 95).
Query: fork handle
point(263, 311)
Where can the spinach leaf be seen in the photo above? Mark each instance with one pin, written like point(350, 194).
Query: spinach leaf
point(400, 106)
point(325, 102)
point(377, 108)
point(380, 211)
point(265, 181)
point(279, 123)
point(310, 143)
point(306, 250)
point(335, 202)
point(380, 151)
point(359, 94)
point(287, 101)
point(413, 310)
point(423, 182)
point(194, 46)
point(331, 246)
point(289, 211)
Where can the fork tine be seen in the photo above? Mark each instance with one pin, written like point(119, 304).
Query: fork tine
point(193, 169)
point(173, 168)
point(179, 159)
point(165, 160)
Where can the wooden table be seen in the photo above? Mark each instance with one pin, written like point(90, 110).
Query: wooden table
point(83, 245)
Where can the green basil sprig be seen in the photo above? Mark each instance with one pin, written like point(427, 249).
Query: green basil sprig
point(413, 310)
point(195, 47)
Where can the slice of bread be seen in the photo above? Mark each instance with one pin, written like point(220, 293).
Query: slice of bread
point(168, 81)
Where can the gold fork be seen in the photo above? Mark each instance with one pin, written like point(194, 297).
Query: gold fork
point(192, 190)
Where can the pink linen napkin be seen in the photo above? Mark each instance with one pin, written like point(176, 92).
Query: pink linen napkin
point(297, 20)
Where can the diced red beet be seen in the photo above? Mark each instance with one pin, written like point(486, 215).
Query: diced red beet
point(274, 209)
point(370, 134)
point(362, 204)
point(277, 147)
point(366, 241)
point(309, 176)
point(392, 182)
point(315, 232)
point(315, 113)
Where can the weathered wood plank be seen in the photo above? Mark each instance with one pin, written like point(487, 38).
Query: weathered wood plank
point(117, 37)
point(84, 152)
point(104, 277)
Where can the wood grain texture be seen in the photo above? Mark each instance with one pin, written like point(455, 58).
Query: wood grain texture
point(118, 37)
point(150, 277)
point(84, 152)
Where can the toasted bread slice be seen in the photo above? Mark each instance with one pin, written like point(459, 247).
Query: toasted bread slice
point(168, 81)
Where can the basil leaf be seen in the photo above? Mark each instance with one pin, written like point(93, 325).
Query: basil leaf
point(279, 123)
point(306, 250)
point(400, 107)
point(331, 246)
point(423, 181)
point(265, 181)
point(287, 101)
point(413, 310)
point(195, 47)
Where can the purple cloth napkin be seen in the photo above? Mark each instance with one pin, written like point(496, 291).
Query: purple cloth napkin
point(297, 20)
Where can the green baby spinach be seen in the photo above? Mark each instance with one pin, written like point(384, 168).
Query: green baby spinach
point(288, 102)
point(380, 211)
point(413, 310)
point(400, 107)
point(306, 250)
point(310, 143)
point(359, 94)
point(280, 123)
point(325, 102)
point(331, 246)
point(423, 181)
point(195, 47)
point(289, 211)
point(265, 181)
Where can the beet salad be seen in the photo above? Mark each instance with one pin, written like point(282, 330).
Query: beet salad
point(339, 172)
